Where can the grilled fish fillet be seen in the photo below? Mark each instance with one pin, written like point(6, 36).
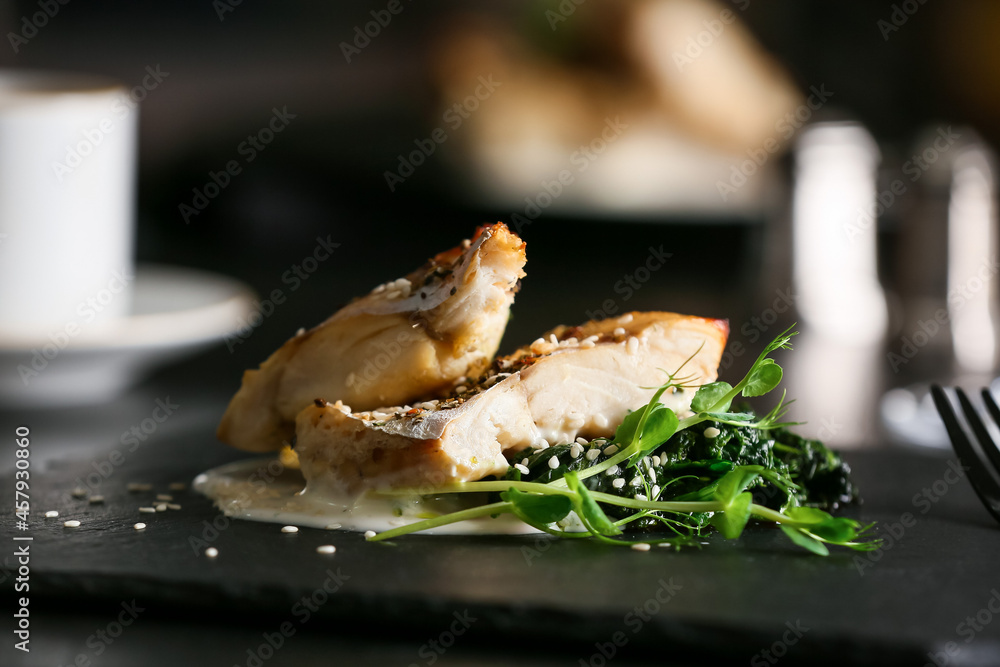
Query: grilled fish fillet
point(575, 381)
point(406, 340)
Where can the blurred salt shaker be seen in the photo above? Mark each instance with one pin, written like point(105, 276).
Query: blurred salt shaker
point(835, 374)
point(67, 193)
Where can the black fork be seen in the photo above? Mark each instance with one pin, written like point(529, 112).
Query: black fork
point(981, 471)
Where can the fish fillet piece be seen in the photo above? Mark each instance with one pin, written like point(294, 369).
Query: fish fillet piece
point(574, 381)
point(408, 339)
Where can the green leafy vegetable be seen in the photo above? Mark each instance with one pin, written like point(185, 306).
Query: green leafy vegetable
point(717, 468)
point(537, 509)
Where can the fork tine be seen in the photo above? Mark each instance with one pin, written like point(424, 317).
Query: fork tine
point(992, 451)
point(982, 435)
point(982, 482)
point(991, 405)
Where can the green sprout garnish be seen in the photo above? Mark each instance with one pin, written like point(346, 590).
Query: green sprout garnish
point(714, 490)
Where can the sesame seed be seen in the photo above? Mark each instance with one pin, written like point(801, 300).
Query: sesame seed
point(148, 510)
point(610, 450)
point(600, 420)
point(79, 493)
point(524, 461)
point(95, 500)
point(652, 475)
point(522, 468)
point(326, 549)
point(173, 506)
point(610, 472)
point(369, 534)
point(593, 453)
point(177, 486)
point(655, 490)
point(663, 544)
point(289, 529)
point(704, 543)
point(575, 422)
point(636, 481)
point(712, 432)
point(641, 546)
point(211, 552)
point(73, 523)
point(553, 339)
point(582, 441)
point(51, 514)
point(461, 389)
point(625, 319)
point(632, 346)
point(554, 462)
point(164, 496)
point(587, 344)
point(641, 496)
point(575, 450)
point(135, 487)
point(619, 331)
point(162, 507)
point(140, 526)
point(538, 341)
point(332, 526)
point(618, 483)
point(656, 461)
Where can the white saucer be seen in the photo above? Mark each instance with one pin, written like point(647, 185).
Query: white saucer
point(175, 312)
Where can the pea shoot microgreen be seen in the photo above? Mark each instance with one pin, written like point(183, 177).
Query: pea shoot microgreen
point(719, 493)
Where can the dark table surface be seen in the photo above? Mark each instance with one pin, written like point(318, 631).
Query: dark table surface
point(928, 591)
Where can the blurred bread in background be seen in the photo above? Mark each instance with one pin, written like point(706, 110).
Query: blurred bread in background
point(641, 106)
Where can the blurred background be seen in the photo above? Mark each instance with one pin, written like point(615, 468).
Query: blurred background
point(766, 162)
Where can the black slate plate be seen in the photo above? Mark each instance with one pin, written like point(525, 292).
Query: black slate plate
point(727, 601)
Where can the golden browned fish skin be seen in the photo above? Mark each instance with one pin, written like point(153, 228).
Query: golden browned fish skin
point(575, 381)
point(407, 339)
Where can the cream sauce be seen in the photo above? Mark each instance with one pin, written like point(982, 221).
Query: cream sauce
point(262, 489)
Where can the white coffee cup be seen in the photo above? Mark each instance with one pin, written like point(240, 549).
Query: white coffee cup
point(67, 200)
